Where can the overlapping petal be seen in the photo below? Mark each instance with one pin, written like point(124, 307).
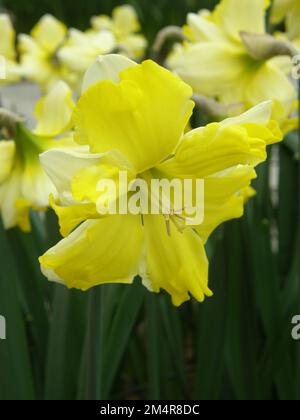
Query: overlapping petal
point(210, 68)
point(7, 154)
point(236, 16)
point(125, 20)
point(35, 185)
point(280, 9)
point(290, 11)
point(176, 263)
point(225, 198)
point(106, 67)
point(218, 146)
point(10, 191)
point(270, 82)
point(54, 111)
point(200, 28)
point(38, 52)
point(63, 165)
point(71, 216)
point(49, 33)
point(86, 46)
point(100, 251)
point(7, 37)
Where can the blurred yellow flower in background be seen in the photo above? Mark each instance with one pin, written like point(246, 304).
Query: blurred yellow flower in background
point(82, 48)
point(125, 27)
point(288, 10)
point(23, 182)
point(133, 116)
point(7, 50)
point(218, 59)
point(107, 35)
point(38, 52)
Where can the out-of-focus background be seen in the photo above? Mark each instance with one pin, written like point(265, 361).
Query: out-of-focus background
point(153, 14)
point(121, 342)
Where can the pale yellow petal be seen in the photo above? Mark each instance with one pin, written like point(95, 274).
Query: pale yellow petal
point(242, 15)
point(62, 165)
point(125, 20)
point(202, 29)
point(7, 37)
point(82, 49)
point(54, 111)
point(224, 198)
point(73, 215)
point(10, 191)
point(106, 67)
point(101, 22)
point(36, 185)
point(280, 9)
point(176, 263)
point(206, 151)
point(101, 251)
point(209, 68)
point(270, 83)
point(49, 33)
point(7, 154)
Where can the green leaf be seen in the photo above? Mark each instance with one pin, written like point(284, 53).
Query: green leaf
point(65, 345)
point(30, 286)
point(154, 352)
point(16, 379)
point(210, 331)
point(241, 329)
point(108, 335)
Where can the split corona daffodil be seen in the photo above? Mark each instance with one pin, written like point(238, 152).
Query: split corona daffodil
point(23, 182)
point(133, 117)
point(38, 52)
point(217, 60)
point(7, 50)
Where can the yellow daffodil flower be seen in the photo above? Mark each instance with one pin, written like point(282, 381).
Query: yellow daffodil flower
point(82, 48)
point(217, 60)
point(23, 182)
point(125, 27)
point(7, 51)
point(39, 59)
point(134, 116)
point(288, 10)
point(108, 34)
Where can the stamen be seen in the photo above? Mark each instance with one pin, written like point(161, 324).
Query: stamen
point(177, 225)
point(168, 226)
